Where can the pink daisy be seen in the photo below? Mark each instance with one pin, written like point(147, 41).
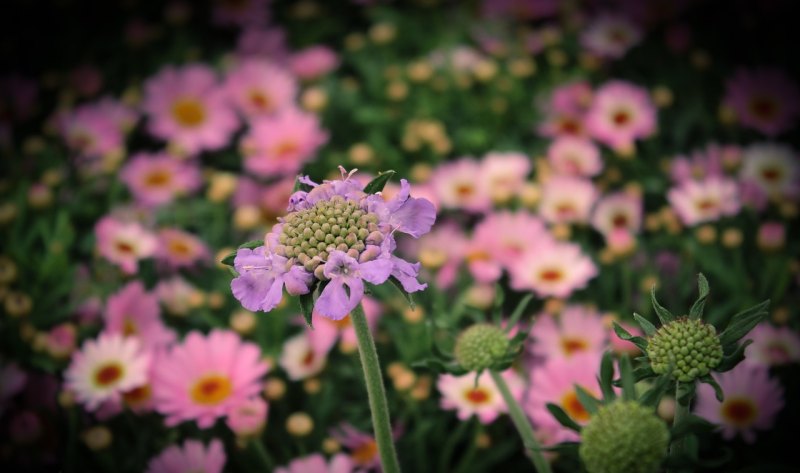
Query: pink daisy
point(554, 382)
point(105, 368)
point(773, 346)
point(752, 401)
point(442, 251)
point(96, 129)
point(553, 269)
point(620, 114)
point(764, 99)
point(340, 463)
point(192, 456)
point(710, 161)
point(705, 201)
point(457, 186)
point(124, 243)
point(188, 107)
point(482, 398)
point(610, 36)
point(158, 178)
point(177, 294)
point(618, 211)
point(504, 174)
point(300, 359)
point(134, 312)
point(574, 156)
point(280, 144)
point(578, 329)
point(773, 169)
point(566, 110)
point(313, 62)
point(567, 199)
point(179, 249)
point(205, 377)
point(258, 87)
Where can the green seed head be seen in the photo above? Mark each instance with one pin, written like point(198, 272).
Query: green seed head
point(480, 346)
point(691, 346)
point(624, 437)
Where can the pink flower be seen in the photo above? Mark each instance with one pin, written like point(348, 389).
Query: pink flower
point(327, 331)
point(620, 114)
point(773, 169)
point(12, 381)
point(574, 156)
point(457, 186)
point(313, 62)
point(567, 199)
point(96, 129)
point(483, 399)
point(710, 161)
point(554, 382)
point(258, 87)
point(773, 346)
point(618, 211)
point(771, 235)
point(552, 269)
point(752, 401)
point(266, 43)
point(504, 174)
point(705, 201)
point(340, 463)
point(279, 145)
point(300, 359)
point(181, 249)
point(188, 107)
point(205, 377)
point(764, 99)
point(248, 418)
point(577, 330)
point(610, 36)
point(191, 456)
point(442, 250)
point(157, 179)
point(124, 243)
point(134, 312)
point(566, 110)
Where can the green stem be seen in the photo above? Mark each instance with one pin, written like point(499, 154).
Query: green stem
point(681, 411)
point(262, 453)
point(521, 423)
point(375, 391)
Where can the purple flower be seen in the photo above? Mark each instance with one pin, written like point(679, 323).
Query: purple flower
point(262, 278)
point(346, 287)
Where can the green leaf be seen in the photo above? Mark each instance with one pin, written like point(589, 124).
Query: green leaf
point(628, 382)
point(376, 185)
point(709, 380)
point(587, 400)
point(696, 312)
point(690, 424)
point(562, 417)
point(607, 376)
point(228, 259)
point(664, 315)
point(653, 396)
point(734, 358)
point(640, 342)
point(743, 322)
point(643, 372)
point(649, 329)
point(515, 316)
point(686, 392)
point(396, 283)
point(307, 306)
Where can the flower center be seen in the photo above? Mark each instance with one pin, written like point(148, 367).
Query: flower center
point(478, 255)
point(565, 209)
point(108, 374)
point(285, 150)
point(308, 359)
point(477, 396)
point(573, 407)
point(129, 327)
point(365, 453)
point(260, 101)
point(739, 411)
point(569, 126)
point(157, 178)
point(211, 389)
point(189, 113)
point(764, 107)
point(771, 174)
point(341, 324)
point(551, 275)
point(778, 352)
point(180, 248)
point(571, 346)
point(621, 117)
point(620, 220)
point(706, 205)
point(618, 36)
point(125, 247)
point(464, 190)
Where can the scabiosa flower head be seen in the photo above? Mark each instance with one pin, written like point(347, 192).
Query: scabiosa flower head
point(624, 437)
point(278, 145)
point(567, 199)
point(481, 346)
point(124, 243)
point(752, 401)
point(773, 346)
point(577, 329)
point(705, 201)
point(105, 368)
point(773, 169)
point(313, 62)
point(503, 174)
point(205, 377)
point(483, 399)
point(134, 312)
point(179, 249)
point(620, 210)
point(338, 234)
point(192, 456)
point(340, 463)
point(258, 87)
point(188, 107)
point(299, 358)
point(157, 178)
point(457, 186)
point(764, 99)
point(610, 36)
point(690, 348)
point(554, 382)
point(553, 269)
point(620, 114)
point(574, 156)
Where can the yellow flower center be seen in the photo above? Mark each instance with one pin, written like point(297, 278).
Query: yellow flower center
point(573, 407)
point(551, 275)
point(571, 346)
point(108, 374)
point(189, 112)
point(477, 395)
point(365, 452)
point(211, 389)
point(157, 178)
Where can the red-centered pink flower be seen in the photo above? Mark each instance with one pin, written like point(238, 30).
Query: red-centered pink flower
point(482, 398)
point(620, 114)
point(124, 243)
point(553, 269)
point(300, 359)
point(258, 87)
point(577, 329)
point(618, 211)
point(279, 145)
point(179, 249)
point(458, 185)
point(610, 36)
point(206, 376)
point(192, 456)
point(134, 312)
point(764, 99)
point(773, 346)
point(574, 156)
point(773, 169)
point(158, 179)
point(567, 199)
point(188, 107)
point(504, 174)
point(705, 201)
point(248, 418)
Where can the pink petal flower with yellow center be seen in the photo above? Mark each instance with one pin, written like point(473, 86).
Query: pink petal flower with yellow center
point(300, 359)
point(124, 243)
point(774, 169)
point(567, 199)
point(190, 457)
point(157, 179)
point(574, 156)
point(258, 87)
point(553, 269)
point(483, 399)
point(618, 211)
point(705, 201)
point(773, 346)
point(457, 186)
point(504, 174)
point(134, 312)
point(620, 114)
point(576, 330)
point(179, 249)
point(340, 463)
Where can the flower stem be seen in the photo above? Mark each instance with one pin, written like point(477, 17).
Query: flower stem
point(521, 423)
point(681, 411)
point(375, 391)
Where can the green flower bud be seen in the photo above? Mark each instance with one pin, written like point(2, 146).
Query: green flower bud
point(692, 346)
point(481, 346)
point(624, 437)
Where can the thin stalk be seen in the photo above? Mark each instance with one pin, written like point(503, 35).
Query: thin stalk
point(375, 391)
point(521, 423)
point(681, 411)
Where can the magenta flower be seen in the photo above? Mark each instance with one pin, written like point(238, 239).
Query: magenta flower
point(258, 88)
point(313, 62)
point(157, 179)
point(764, 99)
point(124, 243)
point(620, 114)
point(192, 455)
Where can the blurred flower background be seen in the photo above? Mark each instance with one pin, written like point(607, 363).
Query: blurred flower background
point(580, 152)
